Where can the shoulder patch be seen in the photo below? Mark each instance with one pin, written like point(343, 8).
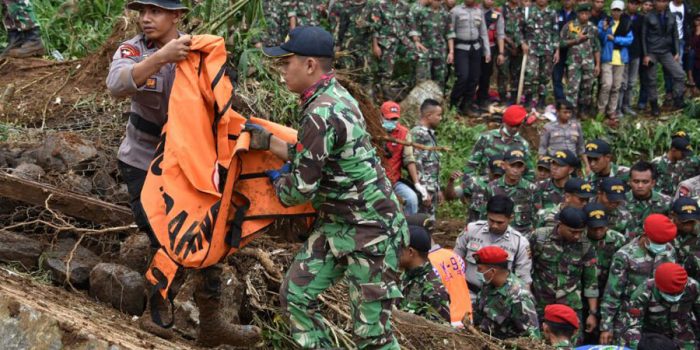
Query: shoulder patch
point(128, 50)
point(634, 312)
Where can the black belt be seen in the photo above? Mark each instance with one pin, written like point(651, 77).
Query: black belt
point(144, 125)
point(473, 288)
point(468, 42)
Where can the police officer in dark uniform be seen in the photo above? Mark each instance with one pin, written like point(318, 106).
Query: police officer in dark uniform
point(143, 68)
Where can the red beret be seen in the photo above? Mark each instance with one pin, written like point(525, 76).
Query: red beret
point(559, 313)
point(670, 278)
point(659, 228)
point(514, 115)
point(491, 255)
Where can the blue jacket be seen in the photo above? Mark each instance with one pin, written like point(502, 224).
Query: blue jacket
point(621, 42)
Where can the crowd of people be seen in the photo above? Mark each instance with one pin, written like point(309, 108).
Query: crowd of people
point(600, 59)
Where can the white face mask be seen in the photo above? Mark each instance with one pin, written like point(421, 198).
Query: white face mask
point(671, 298)
point(480, 276)
point(656, 248)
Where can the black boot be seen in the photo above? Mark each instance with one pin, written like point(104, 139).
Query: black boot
point(678, 103)
point(30, 45)
point(14, 39)
point(655, 108)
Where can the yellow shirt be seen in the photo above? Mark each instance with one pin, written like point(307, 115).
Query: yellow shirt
point(616, 57)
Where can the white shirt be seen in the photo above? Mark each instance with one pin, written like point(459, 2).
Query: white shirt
point(679, 12)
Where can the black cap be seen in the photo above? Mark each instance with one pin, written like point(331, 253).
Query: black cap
point(171, 5)
point(304, 41)
point(686, 209)
point(680, 133)
point(514, 156)
point(614, 188)
point(595, 215)
point(566, 157)
point(682, 144)
point(598, 148)
point(423, 220)
point(573, 217)
point(495, 163)
point(420, 239)
point(544, 162)
point(579, 187)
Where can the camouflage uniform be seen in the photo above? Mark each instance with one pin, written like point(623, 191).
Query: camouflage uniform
point(671, 174)
point(562, 272)
point(307, 12)
point(581, 62)
point(391, 23)
point(19, 15)
point(657, 204)
point(507, 311)
point(474, 189)
point(509, 71)
point(427, 163)
point(631, 266)
point(689, 188)
point(618, 219)
point(688, 250)
point(352, 34)
point(424, 294)
point(492, 143)
point(276, 22)
point(360, 229)
point(548, 217)
point(618, 171)
point(521, 194)
point(548, 195)
point(604, 250)
point(678, 321)
point(540, 31)
point(435, 29)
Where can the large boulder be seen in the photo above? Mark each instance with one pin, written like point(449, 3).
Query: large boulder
point(81, 264)
point(119, 286)
point(62, 151)
point(16, 248)
point(29, 171)
point(410, 106)
point(135, 252)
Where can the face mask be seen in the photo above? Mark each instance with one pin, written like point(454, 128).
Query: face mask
point(671, 298)
point(656, 248)
point(506, 132)
point(480, 276)
point(389, 125)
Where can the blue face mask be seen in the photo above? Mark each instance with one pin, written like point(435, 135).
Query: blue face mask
point(480, 276)
point(656, 248)
point(671, 298)
point(389, 125)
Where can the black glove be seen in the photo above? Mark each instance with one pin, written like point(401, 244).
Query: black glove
point(259, 136)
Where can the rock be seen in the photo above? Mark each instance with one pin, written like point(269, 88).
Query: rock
point(120, 286)
point(62, 151)
point(410, 106)
point(28, 171)
point(104, 184)
point(18, 248)
point(77, 183)
point(135, 252)
point(82, 263)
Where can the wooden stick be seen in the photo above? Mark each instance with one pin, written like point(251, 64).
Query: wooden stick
point(416, 145)
point(521, 83)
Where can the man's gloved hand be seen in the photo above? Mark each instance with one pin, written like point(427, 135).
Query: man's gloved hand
point(259, 136)
point(275, 174)
point(421, 189)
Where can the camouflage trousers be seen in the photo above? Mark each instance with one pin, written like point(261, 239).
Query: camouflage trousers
point(372, 276)
point(579, 91)
point(509, 76)
point(537, 75)
point(358, 62)
point(383, 69)
point(18, 15)
point(434, 69)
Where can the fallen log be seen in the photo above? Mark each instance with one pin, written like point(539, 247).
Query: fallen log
point(71, 204)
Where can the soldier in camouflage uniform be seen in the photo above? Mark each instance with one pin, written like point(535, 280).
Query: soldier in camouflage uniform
point(668, 304)
point(390, 23)
point(434, 36)
point(352, 33)
point(505, 307)
point(23, 34)
point(360, 229)
point(428, 162)
point(577, 193)
point(539, 40)
point(583, 57)
point(276, 22)
point(611, 194)
point(564, 268)
point(543, 171)
point(509, 70)
point(686, 215)
point(521, 191)
point(550, 192)
point(498, 141)
point(560, 325)
point(423, 291)
point(306, 13)
point(643, 199)
point(633, 264)
point(599, 154)
point(473, 188)
point(676, 165)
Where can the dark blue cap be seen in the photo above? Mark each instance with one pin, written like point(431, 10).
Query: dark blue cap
point(614, 188)
point(172, 5)
point(420, 239)
point(682, 144)
point(566, 157)
point(574, 218)
point(515, 155)
point(579, 187)
point(686, 209)
point(595, 214)
point(304, 41)
point(495, 163)
point(598, 148)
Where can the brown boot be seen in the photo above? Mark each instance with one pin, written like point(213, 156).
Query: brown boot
point(214, 330)
point(31, 46)
point(147, 324)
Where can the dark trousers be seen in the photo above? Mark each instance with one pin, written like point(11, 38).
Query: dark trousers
point(558, 77)
point(134, 178)
point(467, 67)
point(485, 76)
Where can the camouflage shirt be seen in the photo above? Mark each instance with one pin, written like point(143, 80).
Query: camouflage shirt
point(424, 294)
point(513, 18)
point(350, 30)
point(540, 31)
point(618, 171)
point(604, 251)
point(618, 219)
point(581, 53)
point(521, 194)
point(671, 174)
point(677, 321)
point(427, 162)
point(474, 189)
point(548, 217)
point(434, 29)
point(335, 166)
point(307, 12)
point(507, 311)
point(688, 250)
point(391, 22)
point(630, 267)
point(276, 22)
point(641, 208)
point(548, 195)
point(489, 144)
point(562, 272)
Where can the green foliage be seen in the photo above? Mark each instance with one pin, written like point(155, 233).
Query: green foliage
point(4, 132)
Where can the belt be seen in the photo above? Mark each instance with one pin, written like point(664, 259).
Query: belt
point(468, 42)
point(144, 125)
point(473, 288)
